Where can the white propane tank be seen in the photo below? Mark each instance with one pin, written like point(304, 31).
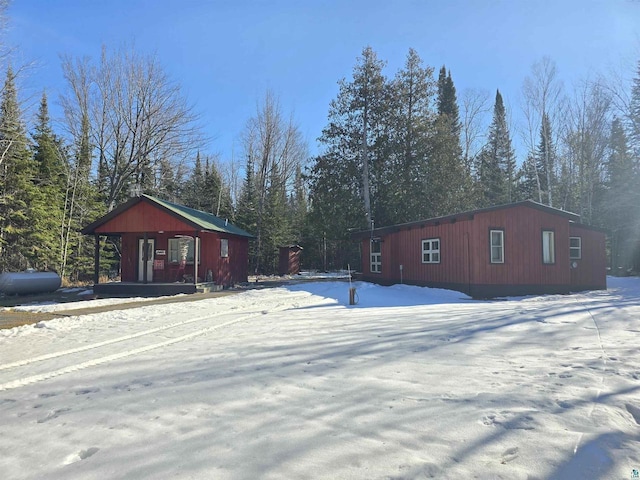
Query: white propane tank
point(29, 281)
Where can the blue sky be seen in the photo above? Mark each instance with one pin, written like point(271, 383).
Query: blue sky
point(226, 54)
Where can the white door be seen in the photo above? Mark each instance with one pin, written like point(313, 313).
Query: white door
point(141, 257)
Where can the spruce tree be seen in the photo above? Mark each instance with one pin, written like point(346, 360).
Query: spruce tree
point(496, 169)
point(402, 178)
point(298, 209)
point(356, 125)
point(46, 209)
point(194, 195)
point(448, 182)
point(16, 187)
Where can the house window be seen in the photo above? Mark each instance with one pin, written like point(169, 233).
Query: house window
point(181, 250)
point(376, 257)
point(575, 248)
point(496, 240)
point(431, 250)
point(548, 247)
point(224, 247)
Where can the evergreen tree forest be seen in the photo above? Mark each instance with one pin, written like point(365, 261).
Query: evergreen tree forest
point(396, 148)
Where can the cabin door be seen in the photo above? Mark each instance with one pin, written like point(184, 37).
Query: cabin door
point(149, 256)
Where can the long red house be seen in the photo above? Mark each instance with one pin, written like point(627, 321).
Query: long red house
point(160, 242)
point(521, 248)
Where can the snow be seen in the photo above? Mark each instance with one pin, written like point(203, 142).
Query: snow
point(292, 382)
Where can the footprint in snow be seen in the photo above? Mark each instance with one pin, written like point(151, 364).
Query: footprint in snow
point(509, 454)
point(53, 414)
point(81, 455)
point(634, 411)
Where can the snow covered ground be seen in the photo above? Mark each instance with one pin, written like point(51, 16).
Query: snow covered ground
point(292, 383)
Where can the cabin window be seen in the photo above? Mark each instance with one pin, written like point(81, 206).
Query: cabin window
point(548, 247)
point(224, 247)
point(496, 240)
point(431, 250)
point(181, 250)
point(376, 257)
point(575, 248)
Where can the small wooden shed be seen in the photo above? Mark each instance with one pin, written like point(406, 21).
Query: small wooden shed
point(289, 260)
point(521, 248)
point(168, 248)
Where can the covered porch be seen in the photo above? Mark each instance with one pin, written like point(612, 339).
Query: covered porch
point(167, 249)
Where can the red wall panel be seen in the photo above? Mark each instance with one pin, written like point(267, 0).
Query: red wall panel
point(465, 254)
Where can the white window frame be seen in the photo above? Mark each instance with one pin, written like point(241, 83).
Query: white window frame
point(431, 250)
point(497, 247)
point(375, 257)
point(224, 247)
point(173, 255)
point(548, 247)
point(578, 248)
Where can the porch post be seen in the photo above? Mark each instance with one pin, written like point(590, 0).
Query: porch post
point(196, 256)
point(96, 259)
point(145, 257)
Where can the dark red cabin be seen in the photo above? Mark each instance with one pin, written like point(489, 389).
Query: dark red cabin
point(521, 248)
point(160, 242)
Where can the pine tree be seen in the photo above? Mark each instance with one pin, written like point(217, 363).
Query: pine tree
point(335, 210)
point(356, 124)
point(247, 209)
point(194, 194)
point(621, 201)
point(298, 209)
point(496, 169)
point(47, 204)
point(16, 188)
point(448, 101)
point(527, 181)
point(277, 225)
point(448, 182)
point(402, 178)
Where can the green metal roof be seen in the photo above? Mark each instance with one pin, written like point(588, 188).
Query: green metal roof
point(196, 218)
point(204, 220)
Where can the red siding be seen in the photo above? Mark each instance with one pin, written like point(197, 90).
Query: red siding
point(465, 255)
point(522, 248)
point(589, 272)
point(143, 217)
point(289, 260)
point(225, 271)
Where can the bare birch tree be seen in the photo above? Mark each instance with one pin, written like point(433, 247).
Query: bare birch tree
point(475, 108)
point(276, 150)
point(543, 96)
point(586, 140)
point(138, 119)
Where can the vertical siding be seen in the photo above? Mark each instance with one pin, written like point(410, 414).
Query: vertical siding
point(226, 271)
point(129, 258)
point(143, 217)
point(465, 256)
point(523, 264)
point(404, 247)
point(590, 270)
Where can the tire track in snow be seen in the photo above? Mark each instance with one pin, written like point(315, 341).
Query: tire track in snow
point(279, 306)
point(603, 356)
point(49, 356)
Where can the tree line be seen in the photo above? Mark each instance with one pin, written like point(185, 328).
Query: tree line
point(395, 149)
point(398, 149)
